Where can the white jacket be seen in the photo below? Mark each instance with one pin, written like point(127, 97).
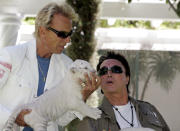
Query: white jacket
point(19, 76)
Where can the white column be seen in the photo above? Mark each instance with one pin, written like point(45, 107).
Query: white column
point(9, 26)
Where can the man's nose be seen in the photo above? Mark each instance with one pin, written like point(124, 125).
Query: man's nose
point(109, 72)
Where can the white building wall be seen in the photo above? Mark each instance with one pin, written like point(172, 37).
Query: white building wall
point(167, 102)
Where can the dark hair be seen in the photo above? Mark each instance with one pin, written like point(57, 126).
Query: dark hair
point(119, 57)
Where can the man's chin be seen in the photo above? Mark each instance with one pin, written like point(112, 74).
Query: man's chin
point(110, 89)
point(58, 52)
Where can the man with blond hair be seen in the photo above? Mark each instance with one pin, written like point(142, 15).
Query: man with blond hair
point(30, 69)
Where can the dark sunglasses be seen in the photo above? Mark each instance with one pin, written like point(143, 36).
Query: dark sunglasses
point(61, 34)
point(114, 69)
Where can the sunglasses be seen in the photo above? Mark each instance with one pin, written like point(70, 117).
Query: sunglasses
point(61, 34)
point(114, 69)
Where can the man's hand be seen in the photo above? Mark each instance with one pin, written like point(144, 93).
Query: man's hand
point(91, 84)
point(20, 118)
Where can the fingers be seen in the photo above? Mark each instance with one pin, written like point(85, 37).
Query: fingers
point(98, 81)
point(93, 81)
point(93, 77)
point(20, 118)
point(91, 84)
point(82, 83)
point(88, 81)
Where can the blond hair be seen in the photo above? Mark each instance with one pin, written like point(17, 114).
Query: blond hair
point(45, 15)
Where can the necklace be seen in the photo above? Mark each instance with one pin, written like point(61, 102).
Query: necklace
point(44, 78)
point(132, 121)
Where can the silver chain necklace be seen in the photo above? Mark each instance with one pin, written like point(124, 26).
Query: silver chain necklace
point(132, 121)
point(44, 78)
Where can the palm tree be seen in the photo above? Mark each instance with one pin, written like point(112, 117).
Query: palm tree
point(137, 61)
point(159, 65)
point(163, 67)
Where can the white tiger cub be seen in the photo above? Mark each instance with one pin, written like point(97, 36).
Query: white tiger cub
point(55, 104)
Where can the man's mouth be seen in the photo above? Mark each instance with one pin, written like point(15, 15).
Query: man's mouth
point(109, 82)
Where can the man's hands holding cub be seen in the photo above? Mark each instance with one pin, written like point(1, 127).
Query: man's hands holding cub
point(92, 83)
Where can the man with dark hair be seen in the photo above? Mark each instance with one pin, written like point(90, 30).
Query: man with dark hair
point(119, 110)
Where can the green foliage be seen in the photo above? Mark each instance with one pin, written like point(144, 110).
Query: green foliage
point(126, 24)
point(30, 20)
point(178, 9)
point(129, 1)
point(139, 24)
point(170, 25)
point(103, 23)
point(82, 40)
point(134, 24)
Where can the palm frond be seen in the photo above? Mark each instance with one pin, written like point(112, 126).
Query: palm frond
point(164, 69)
